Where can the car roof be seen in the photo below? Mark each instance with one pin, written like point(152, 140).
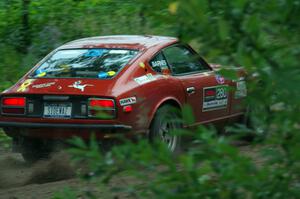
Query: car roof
point(138, 42)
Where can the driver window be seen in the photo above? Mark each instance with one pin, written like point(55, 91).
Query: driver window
point(182, 60)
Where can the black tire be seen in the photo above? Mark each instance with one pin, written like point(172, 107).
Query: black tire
point(34, 150)
point(166, 119)
point(247, 122)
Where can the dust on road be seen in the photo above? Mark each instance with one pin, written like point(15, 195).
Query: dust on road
point(20, 180)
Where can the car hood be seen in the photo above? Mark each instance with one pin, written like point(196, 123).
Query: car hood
point(62, 86)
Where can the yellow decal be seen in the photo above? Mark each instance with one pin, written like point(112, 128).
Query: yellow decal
point(25, 85)
point(142, 65)
point(42, 74)
point(111, 73)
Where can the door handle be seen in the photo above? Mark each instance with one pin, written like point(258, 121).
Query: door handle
point(190, 90)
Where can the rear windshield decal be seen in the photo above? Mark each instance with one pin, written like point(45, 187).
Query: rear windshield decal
point(104, 75)
point(215, 98)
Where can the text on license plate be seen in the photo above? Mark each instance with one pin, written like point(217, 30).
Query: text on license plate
point(63, 110)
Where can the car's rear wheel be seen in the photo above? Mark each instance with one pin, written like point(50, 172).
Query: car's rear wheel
point(166, 120)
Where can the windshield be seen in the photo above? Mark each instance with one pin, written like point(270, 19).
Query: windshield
point(89, 63)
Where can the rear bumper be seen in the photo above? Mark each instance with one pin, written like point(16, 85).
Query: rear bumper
point(68, 126)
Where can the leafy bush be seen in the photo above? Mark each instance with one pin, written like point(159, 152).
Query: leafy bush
point(5, 142)
point(261, 36)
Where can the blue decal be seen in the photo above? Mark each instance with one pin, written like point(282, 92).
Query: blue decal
point(94, 53)
point(102, 75)
point(220, 79)
point(39, 71)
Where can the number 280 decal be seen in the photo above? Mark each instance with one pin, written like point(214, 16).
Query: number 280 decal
point(215, 98)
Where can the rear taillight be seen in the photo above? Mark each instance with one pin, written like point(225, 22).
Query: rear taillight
point(102, 108)
point(13, 105)
point(14, 101)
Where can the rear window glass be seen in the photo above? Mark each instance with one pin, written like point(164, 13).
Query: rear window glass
point(85, 63)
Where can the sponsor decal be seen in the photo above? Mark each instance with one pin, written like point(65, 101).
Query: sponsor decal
point(220, 79)
point(145, 79)
point(24, 86)
point(215, 98)
point(79, 86)
point(45, 85)
point(127, 101)
point(159, 63)
point(241, 90)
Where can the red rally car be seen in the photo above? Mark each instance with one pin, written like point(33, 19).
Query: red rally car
point(115, 84)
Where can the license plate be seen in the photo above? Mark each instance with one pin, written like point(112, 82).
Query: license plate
point(60, 110)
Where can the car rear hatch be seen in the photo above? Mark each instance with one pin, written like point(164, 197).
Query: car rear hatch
point(60, 99)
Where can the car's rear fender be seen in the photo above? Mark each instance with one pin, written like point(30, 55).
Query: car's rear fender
point(171, 101)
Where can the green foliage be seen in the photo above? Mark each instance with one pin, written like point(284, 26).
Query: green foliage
point(211, 168)
point(65, 193)
point(5, 141)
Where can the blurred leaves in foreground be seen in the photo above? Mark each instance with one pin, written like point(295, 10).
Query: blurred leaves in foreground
point(261, 36)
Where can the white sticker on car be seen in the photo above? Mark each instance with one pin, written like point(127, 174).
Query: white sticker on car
point(127, 101)
point(145, 79)
point(159, 63)
point(79, 86)
point(241, 90)
point(215, 98)
point(45, 85)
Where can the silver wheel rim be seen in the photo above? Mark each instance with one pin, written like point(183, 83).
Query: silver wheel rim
point(166, 135)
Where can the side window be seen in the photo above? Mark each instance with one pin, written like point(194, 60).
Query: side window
point(182, 60)
point(158, 63)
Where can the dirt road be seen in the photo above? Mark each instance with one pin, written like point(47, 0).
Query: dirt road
point(42, 180)
point(19, 180)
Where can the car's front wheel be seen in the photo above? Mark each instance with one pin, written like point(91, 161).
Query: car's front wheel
point(166, 120)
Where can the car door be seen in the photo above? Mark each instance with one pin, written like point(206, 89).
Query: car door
point(206, 92)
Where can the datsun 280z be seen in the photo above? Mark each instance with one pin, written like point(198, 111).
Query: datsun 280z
point(116, 85)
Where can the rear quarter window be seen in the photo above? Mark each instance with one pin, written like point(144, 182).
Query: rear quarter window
point(159, 63)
